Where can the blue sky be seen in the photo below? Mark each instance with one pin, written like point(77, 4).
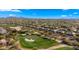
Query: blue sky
point(40, 13)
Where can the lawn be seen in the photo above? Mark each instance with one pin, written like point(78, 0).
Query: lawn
point(65, 48)
point(39, 43)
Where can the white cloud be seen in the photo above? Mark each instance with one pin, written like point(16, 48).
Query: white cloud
point(63, 15)
point(12, 10)
point(65, 9)
point(12, 15)
point(75, 13)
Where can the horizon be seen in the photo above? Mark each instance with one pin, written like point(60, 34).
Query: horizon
point(40, 13)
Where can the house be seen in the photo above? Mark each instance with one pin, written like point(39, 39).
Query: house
point(3, 42)
point(3, 31)
point(73, 29)
point(17, 28)
point(69, 33)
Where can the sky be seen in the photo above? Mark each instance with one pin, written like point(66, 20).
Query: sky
point(41, 13)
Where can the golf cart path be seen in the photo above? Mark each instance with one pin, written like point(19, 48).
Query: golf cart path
point(57, 46)
point(21, 48)
point(50, 48)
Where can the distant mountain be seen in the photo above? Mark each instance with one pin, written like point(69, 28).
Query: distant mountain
point(34, 18)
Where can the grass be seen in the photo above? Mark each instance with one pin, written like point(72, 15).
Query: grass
point(39, 43)
point(7, 25)
point(65, 48)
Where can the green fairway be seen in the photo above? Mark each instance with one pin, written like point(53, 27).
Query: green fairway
point(39, 43)
point(65, 48)
point(7, 25)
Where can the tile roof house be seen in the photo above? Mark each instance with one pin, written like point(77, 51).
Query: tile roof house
point(18, 28)
point(3, 31)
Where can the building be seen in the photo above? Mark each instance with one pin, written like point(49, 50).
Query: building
point(2, 30)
